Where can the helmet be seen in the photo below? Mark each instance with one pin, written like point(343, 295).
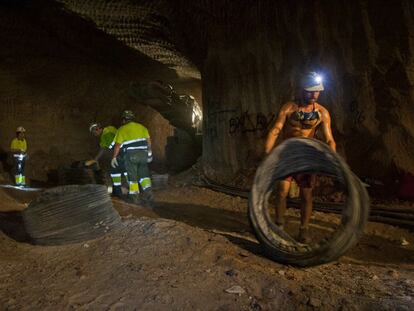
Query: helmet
point(312, 82)
point(20, 129)
point(94, 126)
point(128, 115)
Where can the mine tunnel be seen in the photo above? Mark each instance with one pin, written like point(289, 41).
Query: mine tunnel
point(212, 83)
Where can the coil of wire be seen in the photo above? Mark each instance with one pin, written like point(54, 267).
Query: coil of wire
point(309, 156)
point(70, 214)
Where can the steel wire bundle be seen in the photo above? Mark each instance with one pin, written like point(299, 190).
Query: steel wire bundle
point(306, 156)
point(70, 214)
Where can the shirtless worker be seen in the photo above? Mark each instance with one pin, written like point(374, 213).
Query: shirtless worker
point(300, 119)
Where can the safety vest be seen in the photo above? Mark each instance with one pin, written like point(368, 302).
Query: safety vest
point(18, 144)
point(107, 137)
point(132, 136)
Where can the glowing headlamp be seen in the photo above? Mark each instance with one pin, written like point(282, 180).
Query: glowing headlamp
point(318, 79)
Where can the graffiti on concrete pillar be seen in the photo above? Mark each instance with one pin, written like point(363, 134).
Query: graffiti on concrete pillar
point(245, 122)
point(250, 122)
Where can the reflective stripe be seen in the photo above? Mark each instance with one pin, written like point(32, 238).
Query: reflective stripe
point(20, 179)
point(133, 141)
point(145, 183)
point(133, 187)
point(20, 156)
point(116, 179)
point(140, 147)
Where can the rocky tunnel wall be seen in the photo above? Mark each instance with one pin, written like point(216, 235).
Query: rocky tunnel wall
point(251, 54)
point(58, 73)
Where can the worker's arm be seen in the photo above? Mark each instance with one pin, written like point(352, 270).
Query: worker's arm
point(117, 149)
point(114, 161)
point(149, 143)
point(277, 128)
point(327, 130)
point(99, 155)
point(149, 150)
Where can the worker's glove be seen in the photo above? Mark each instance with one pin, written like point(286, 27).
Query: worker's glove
point(114, 162)
point(149, 159)
point(90, 162)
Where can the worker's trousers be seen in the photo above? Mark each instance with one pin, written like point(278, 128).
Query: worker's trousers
point(116, 176)
point(138, 171)
point(19, 161)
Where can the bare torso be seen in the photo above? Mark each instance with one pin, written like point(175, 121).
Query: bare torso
point(296, 120)
point(302, 121)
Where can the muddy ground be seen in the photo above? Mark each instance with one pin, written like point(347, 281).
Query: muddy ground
point(196, 251)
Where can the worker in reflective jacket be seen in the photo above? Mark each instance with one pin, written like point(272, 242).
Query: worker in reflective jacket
point(133, 140)
point(18, 147)
point(106, 143)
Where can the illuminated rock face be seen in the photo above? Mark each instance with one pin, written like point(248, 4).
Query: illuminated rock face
point(249, 55)
point(58, 74)
point(253, 56)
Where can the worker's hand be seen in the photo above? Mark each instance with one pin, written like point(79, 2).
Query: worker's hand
point(114, 162)
point(149, 159)
point(90, 162)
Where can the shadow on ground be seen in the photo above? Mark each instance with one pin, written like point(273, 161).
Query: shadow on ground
point(11, 224)
point(235, 226)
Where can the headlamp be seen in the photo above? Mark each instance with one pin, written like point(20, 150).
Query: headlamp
point(318, 79)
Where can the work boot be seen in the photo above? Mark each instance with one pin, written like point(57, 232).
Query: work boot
point(148, 198)
point(116, 191)
point(134, 199)
point(304, 236)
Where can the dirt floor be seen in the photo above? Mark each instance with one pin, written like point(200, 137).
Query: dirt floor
point(196, 251)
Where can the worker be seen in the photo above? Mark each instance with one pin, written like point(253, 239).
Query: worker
point(18, 148)
point(106, 143)
point(133, 140)
point(301, 118)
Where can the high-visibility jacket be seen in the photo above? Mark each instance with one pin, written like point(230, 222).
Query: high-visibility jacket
point(107, 137)
point(132, 136)
point(19, 144)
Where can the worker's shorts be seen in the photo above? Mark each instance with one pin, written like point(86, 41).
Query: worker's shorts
point(303, 180)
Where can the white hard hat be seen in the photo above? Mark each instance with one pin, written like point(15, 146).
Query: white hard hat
point(128, 115)
point(93, 126)
point(20, 129)
point(312, 82)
